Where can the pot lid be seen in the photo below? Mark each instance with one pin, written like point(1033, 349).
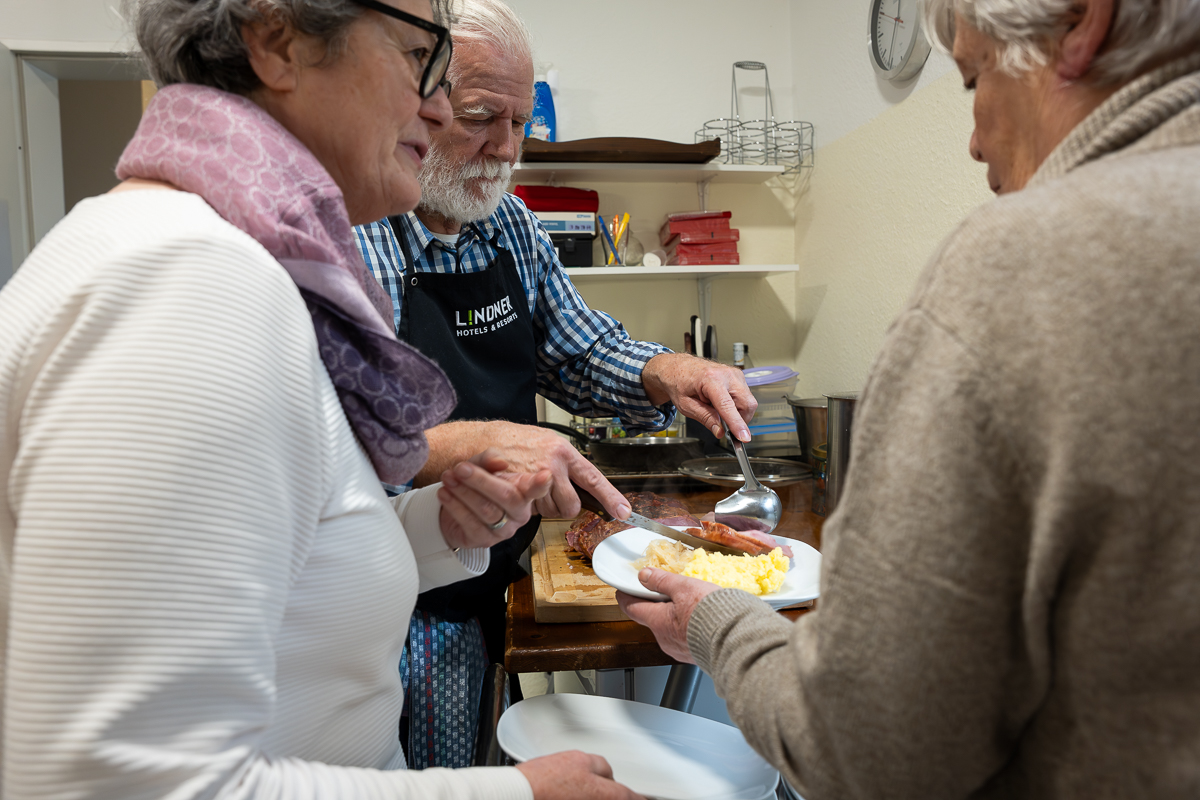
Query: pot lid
point(761, 376)
point(725, 471)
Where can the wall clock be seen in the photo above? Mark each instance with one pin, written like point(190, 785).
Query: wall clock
point(897, 44)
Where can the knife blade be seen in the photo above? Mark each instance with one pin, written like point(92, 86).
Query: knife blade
point(588, 501)
point(679, 536)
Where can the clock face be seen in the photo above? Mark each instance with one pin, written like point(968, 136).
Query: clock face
point(898, 47)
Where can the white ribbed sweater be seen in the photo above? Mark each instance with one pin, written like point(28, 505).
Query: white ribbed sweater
point(203, 590)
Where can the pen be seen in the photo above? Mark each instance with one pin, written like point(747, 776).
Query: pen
point(612, 248)
point(621, 228)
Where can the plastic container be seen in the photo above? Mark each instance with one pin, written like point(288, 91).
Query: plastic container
point(655, 258)
point(543, 125)
point(773, 423)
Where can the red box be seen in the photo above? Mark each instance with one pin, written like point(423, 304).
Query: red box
point(706, 237)
point(693, 222)
point(702, 249)
point(558, 198)
point(708, 248)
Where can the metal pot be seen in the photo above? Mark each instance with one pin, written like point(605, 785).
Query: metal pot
point(810, 413)
point(841, 420)
point(640, 454)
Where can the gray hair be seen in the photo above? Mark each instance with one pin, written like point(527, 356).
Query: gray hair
point(1144, 34)
point(200, 41)
point(493, 22)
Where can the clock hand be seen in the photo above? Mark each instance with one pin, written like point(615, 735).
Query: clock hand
point(892, 47)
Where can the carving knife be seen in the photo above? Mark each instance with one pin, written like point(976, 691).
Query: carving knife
point(637, 520)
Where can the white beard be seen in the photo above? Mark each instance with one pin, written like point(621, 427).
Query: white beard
point(444, 187)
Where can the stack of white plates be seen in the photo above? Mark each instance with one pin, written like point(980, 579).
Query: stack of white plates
point(657, 752)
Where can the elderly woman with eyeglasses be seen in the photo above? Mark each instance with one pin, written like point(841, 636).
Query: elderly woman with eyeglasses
point(204, 588)
point(1010, 605)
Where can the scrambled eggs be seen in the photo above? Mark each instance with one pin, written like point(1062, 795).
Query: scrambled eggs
point(755, 574)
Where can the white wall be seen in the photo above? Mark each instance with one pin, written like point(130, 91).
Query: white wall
point(658, 68)
point(892, 179)
point(654, 68)
point(61, 21)
point(836, 88)
point(882, 198)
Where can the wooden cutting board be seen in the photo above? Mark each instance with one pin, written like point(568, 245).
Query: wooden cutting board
point(565, 589)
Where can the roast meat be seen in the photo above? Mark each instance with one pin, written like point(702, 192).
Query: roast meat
point(756, 543)
point(589, 530)
point(739, 532)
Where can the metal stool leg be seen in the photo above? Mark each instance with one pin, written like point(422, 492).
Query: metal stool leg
point(682, 685)
point(493, 702)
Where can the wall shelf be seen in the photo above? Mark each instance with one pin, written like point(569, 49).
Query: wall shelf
point(584, 274)
point(700, 174)
point(546, 172)
point(703, 276)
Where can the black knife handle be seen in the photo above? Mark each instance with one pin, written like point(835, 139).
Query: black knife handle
point(589, 501)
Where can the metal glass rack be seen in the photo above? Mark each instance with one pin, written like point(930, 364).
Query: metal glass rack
point(759, 141)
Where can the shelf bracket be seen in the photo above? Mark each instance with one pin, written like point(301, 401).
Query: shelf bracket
point(702, 190)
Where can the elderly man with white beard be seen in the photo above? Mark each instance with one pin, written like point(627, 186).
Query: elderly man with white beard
point(470, 245)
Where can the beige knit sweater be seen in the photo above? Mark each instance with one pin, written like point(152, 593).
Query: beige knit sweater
point(1011, 584)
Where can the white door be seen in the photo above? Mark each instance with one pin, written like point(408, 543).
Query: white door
point(31, 169)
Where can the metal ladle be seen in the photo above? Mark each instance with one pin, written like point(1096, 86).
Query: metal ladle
point(754, 505)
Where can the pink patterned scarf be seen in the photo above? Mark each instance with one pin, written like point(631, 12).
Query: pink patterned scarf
point(260, 178)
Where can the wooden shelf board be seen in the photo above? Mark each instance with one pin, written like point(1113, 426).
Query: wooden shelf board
point(644, 173)
point(683, 273)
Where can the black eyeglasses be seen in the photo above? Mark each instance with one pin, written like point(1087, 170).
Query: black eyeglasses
point(439, 59)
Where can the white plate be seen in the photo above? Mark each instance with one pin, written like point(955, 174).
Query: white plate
point(613, 563)
point(656, 752)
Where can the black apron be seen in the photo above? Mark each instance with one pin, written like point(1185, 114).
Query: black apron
point(477, 327)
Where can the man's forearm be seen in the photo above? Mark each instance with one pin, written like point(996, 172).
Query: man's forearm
point(652, 382)
point(450, 443)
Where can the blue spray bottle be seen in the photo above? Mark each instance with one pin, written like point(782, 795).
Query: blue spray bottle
point(543, 125)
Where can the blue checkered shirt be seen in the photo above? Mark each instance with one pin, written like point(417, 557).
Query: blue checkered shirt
point(586, 361)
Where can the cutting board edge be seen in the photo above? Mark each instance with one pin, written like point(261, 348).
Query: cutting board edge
point(564, 605)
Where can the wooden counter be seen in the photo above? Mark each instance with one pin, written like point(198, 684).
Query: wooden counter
point(531, 646)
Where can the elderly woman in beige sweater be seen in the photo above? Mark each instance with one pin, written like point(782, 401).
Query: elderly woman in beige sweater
point(1010, 604)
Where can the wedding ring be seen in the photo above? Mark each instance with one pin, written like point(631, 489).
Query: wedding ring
point(501, 523)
